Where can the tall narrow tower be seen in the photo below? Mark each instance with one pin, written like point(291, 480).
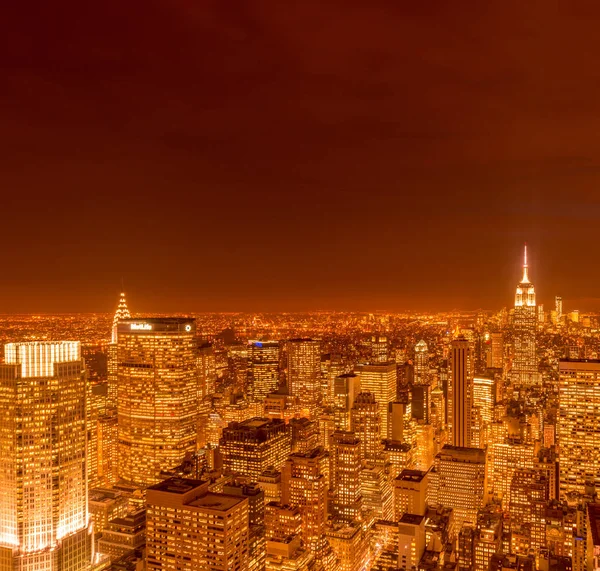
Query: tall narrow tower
point(121, 313)
point(525, 366)
point(43, 495)
point(461, 393)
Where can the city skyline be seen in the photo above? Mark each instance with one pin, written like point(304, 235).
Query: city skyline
point(397, 160)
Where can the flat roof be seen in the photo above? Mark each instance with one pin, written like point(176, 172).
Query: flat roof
point(219, 502)
point(177, 485)
point(408, 475)
point(413, 519)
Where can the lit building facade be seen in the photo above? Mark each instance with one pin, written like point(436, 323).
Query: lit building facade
point(380, 380)
point(345, 389)
point(157, 396)
point(304, 372)
point(460, 394)
point(366, 424)
point(578, 423)
point(525, 371)
point(263, 368)
point(251, 447)
point(421, 365)
point(189, 528)
point(461, 482)
point(43, 489)
point(345, 454)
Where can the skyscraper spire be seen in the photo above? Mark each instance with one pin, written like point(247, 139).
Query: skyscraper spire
point(121, 313)
point(525, 279)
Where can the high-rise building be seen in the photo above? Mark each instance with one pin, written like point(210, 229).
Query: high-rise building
point(43, 492)
point(421, 366)
point(488, 537)
point(366, 424)
point(495, 351)
point(189, 528)
point(578, 422)
point(380, 380)
point(255, 445)
point(558, 307)
point(345, 455)
point(263, 368)
point(379, 348)
point(410, 493)
point(157, 396)
point(593, 537)
point(345, 389)
point(304, 372)
point(484, 400)
point(121, 313)
point(525, 370)
point(460, 393)
point(461, 481)
point(305, 486)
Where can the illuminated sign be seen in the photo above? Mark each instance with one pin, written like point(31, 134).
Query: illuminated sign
point(140, 327)
point(188, 327)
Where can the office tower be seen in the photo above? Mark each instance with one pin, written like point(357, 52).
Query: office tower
point(304, 372)
point(305, 434)
point(157, 396)
point(410, 493)
point(504, 457)
point(253, 446)
point(421, 366)
point(399, 447)
point(345, 389)
point(121, 313)
point(495, 351)
point(380, 380)
point(379, 348)
point(484, 400)
point(421, 402)
point(304, 485)
point(488, 537)
point(578, 422)
point(189, 528)
point(350, 544)
point(527, 508)
point(466, 547)
point(461, 481)
point(263, 368)
point(524, 370)
point(376, 491)
point(105, 504)
point(283, 528)
point(366, 424)
point(558, 307)
point(411, 540)
point(238, 367)
point(345, 454)
point(123, 534)
point(460, 397)
point(43, 501)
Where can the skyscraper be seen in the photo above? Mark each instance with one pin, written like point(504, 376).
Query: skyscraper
point(558, 307)
point(380, 380)
point(121, 313)
point(579, 424)
point(252, 446)
point(379, 348)
point(460, 394)
point(157, 396)
point(189, 528)
point(304, 372)
point(366, 424)
point(525, 370)
point(345, 389)
point(421, 363)
point(461, 481)
point(43, 495)
point(263, 368)
point(345, 476)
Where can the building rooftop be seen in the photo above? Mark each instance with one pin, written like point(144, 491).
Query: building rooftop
point(411, 475)
point(176, 485)
point(412, 519)
point(594, 518)
point(218, 502)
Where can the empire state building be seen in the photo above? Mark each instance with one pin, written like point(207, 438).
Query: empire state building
point(525, 365)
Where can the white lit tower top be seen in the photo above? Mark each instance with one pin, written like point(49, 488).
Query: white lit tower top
point(121, 313)
point(525, 296)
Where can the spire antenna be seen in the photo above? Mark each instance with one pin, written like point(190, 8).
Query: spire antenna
point(525, 279)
